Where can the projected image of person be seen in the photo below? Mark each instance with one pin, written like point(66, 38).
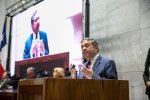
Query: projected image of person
point(37, 43)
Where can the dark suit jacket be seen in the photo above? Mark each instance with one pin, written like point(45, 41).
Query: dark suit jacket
point(28, 44)
point(147, 71)
point(4, 83)
point(103, 68)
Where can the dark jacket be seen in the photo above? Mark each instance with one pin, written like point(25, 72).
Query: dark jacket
point(103, 68)
point(28, 43)
point(146, 74)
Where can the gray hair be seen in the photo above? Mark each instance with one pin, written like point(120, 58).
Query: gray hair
point(31, 69)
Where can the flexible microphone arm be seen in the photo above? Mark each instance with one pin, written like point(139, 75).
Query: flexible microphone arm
point(73, 66)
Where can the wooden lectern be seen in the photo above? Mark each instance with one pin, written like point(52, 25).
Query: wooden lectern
point(73, 89)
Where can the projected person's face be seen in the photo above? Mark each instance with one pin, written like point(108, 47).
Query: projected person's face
point(36, 24)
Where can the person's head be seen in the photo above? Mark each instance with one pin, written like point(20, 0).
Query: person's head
point(89, 48)
point(31, 73)
point(35, 22)
point(5, 75)
point(58, 72)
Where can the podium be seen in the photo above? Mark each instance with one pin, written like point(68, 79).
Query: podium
point(73, 89)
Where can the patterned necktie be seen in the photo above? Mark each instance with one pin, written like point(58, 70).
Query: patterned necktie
point(87, 66)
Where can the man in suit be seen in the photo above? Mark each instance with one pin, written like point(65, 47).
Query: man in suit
point(146, 74)
point(96, 67)
point(8, 80)
point(5, 79)
point(37, 44)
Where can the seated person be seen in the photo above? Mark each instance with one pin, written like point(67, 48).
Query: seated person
point(31, 73)
point(5, 75)
point(4, 80)
point(58, 72)
point(7, 80)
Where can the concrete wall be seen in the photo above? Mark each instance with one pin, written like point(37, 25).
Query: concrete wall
point(122, 27)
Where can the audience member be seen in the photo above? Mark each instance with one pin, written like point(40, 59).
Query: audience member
point(5, 75)
point(58, 72)
point(5, 79)
point(31, 73)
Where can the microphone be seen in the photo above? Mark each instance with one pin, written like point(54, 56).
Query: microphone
point(68, 71)
point(73, 66)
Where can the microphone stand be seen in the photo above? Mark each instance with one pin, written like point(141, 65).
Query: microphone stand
point(68, 71)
